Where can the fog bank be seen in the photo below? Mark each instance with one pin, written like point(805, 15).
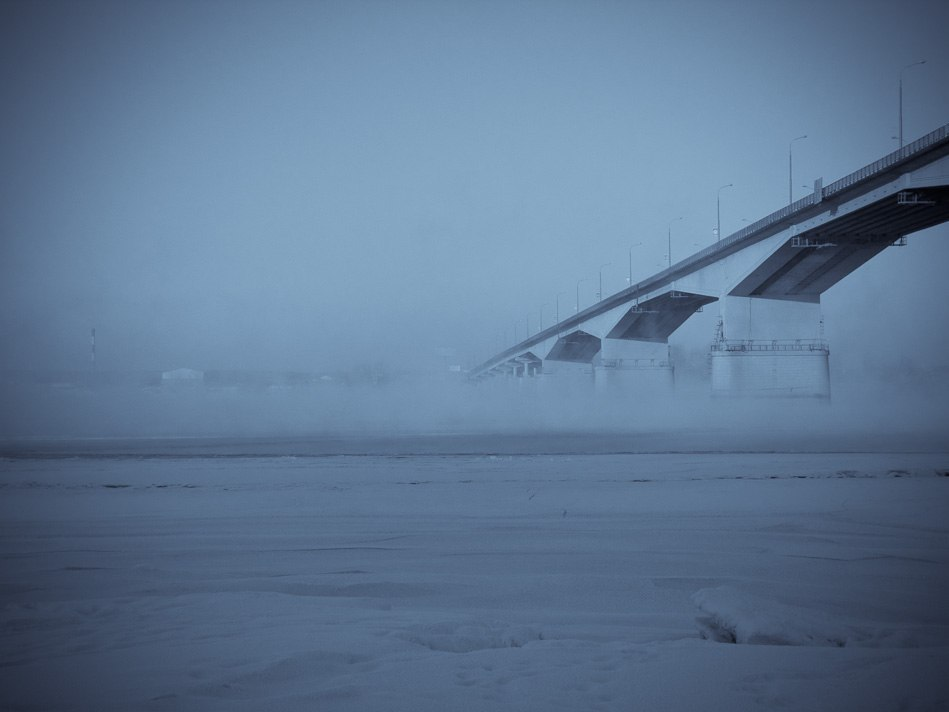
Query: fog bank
point(858, 416)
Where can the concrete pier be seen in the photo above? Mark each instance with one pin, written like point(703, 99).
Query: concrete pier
point(769, 347)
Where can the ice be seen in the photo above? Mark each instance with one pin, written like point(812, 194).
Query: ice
point(199, 580)
point(454, 637)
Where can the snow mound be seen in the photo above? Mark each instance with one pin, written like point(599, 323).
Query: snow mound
point(734, 616)
point(738, 617)
point(452, 637)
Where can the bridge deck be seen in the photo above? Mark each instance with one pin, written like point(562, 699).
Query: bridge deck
point(804, 270)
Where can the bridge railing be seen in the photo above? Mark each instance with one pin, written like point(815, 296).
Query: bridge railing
point(891, 159)
point(631, 364)
point(774, 345)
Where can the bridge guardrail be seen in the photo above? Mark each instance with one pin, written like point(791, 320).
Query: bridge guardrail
point(895, 157)
point(632, 364)
point(774, 345)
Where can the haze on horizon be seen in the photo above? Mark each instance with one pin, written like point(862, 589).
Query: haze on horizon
point(310, 185)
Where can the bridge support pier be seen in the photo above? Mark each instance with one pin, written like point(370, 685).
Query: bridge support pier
point(633, 367)
point(769, 347)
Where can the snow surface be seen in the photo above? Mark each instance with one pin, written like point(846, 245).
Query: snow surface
point(706, 581)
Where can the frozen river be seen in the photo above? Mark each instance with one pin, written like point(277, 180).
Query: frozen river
point(467, 573)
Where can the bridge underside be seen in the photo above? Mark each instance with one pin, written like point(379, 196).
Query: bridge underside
point(578, 347)
point(652, 321)
point(655, 319)
point(814, 260)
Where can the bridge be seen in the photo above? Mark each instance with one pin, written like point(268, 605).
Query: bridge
point(768, 278)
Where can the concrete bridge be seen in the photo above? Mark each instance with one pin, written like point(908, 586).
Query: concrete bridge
point(769, 278)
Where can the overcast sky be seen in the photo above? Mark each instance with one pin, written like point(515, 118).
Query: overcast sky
point(306, 185)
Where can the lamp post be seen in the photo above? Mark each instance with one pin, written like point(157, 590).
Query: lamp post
point(718, 211)
point(599, 295)
point(669, 238)
point(791, 169)
point(922, 61)
point(545, 304)
point(558, 306)
point(631, 262)
point(578, 294)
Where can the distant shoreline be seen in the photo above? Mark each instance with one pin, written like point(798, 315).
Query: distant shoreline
point(694, 442)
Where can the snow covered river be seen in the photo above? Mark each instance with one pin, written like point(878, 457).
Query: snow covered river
point(456, 578)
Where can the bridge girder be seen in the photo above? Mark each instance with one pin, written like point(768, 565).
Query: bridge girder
point(812, 261)
point(794, 254)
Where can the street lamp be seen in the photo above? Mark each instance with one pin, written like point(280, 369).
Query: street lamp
point(718, 211)
point(558, 306)
point(599, 296)
point(631, 262)
point(669, 237)
point(545, 304)
point(791, 168)
point(578, 293)
point(922, 61)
